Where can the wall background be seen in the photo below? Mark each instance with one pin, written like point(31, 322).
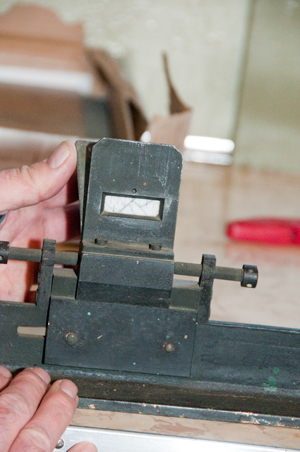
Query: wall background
point(203, 39)
point(268, 123)
point(236, 62)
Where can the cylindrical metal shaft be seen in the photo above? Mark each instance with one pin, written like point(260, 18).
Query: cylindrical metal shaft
point(232, 274)
point(32, 255)
point(246, 276)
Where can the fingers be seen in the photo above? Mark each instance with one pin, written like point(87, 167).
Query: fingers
point(18, 403)
point(67, 195)
point(62, 223)
point(30, 185)
point(24, 426)
point(84, 447)
point(53, 416)
point(5, 377)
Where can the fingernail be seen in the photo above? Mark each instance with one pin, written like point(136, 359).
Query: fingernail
point(69, 388)
point(58, 157)
point(41, 373)
point(5, 372)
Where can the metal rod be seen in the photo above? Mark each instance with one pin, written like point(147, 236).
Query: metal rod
point(227, 273)
point(66, 258)
point(24, 254)
point(183, 268)
point(31, 255)
point(71, 259)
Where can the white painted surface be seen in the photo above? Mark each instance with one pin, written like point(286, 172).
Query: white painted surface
point(79, 82)
point(120, 441)
point(136, 207)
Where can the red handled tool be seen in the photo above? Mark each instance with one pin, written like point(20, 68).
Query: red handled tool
point(266, 230)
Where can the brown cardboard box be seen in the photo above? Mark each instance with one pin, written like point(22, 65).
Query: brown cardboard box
point(51, 84)
point(72, 84)
point(174, 128)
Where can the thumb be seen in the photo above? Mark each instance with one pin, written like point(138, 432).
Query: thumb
point(29, 185)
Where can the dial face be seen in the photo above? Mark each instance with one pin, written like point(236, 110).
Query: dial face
point(135, 207)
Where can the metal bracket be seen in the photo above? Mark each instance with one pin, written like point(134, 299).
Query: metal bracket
point(4, 252)
point(45, 275)
point(206, 281)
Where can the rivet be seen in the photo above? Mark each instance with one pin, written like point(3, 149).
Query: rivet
point(71, 338)
point(169, 347)
point(60, 444)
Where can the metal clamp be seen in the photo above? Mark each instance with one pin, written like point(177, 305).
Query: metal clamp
point(206, 281)
point(4, 252)
point(250, 276)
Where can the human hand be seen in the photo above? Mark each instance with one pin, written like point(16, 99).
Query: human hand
point(40, 201)
point(33, 418)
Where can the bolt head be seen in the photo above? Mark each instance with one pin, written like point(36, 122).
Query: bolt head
point(71, 338)
point(169, 347)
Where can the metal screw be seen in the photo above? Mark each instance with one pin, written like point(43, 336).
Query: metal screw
point(134, 191)
point(71, 338)
point(60, 444)
point(169, 347)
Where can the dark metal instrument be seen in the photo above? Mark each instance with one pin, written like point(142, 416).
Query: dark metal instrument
point(118, 323)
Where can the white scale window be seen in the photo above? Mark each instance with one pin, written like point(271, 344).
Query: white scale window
point(127, 206)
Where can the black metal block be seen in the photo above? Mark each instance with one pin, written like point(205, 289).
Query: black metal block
point(120, 337)
point(125, 279)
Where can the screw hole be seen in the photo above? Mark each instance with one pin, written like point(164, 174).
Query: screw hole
point(134, 191)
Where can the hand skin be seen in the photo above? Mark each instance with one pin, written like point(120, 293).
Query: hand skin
point(41, 203)
point(33, 416)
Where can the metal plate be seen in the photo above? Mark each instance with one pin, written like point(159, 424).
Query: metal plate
point(128, 168)
point(120, 337)
point(255, 355)
point(14, 349)
point(120, 441)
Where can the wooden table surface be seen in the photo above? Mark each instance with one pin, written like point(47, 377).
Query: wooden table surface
point(212, 196)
